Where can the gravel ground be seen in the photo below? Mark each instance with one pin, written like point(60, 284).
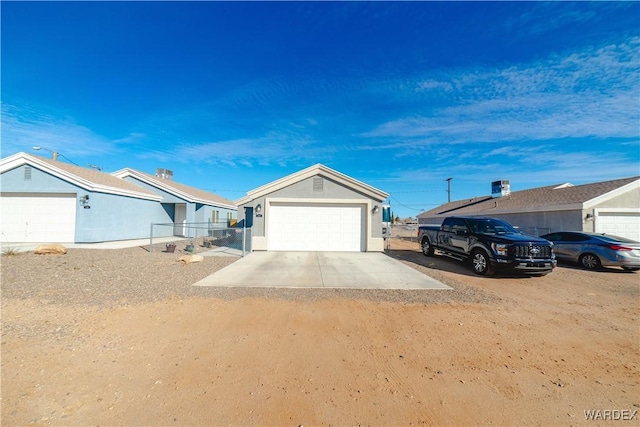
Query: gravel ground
point(121, 277)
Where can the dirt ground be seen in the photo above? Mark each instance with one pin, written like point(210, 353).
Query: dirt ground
point(542, 352)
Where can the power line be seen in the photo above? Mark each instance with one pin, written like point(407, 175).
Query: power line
point(408, 206)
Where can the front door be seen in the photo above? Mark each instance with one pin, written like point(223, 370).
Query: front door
point(180, 220)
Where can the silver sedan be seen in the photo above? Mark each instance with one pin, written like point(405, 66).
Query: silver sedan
point(595, 250)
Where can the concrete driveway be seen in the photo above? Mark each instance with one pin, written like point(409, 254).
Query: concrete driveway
point(346, 270)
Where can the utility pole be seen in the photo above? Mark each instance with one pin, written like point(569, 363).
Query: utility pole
point(448, 189)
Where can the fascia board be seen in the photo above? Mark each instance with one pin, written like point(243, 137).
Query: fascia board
point(242, 201)
point(370, 191)
point(635, 185)
point(123, 173)
point(23, 159)
point(489, 211)
point(309, 172)
point(152, 182)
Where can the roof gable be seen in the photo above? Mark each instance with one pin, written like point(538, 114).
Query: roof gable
point(182, 191)
point(88, 179)
point(317, 169)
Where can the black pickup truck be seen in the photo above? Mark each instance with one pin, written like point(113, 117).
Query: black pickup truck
point(490, 244)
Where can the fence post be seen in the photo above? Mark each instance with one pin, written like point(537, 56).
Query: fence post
point(151, 239)
point(244, 236)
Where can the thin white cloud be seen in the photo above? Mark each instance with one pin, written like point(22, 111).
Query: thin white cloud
point(24, 128)
point(274, 148)
point(586, 94)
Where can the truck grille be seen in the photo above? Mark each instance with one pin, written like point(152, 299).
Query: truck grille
point(532, 251)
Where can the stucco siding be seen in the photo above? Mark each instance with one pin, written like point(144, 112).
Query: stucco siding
point(304, 189)
point(108, 216)
point(626, 200)
point(39, 182)
point(114, 217)
point(538, 223)
point(535, 223)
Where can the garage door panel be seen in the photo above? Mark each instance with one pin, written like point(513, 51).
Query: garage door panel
point(623, 224)
point(315, 228)
point(38, 219)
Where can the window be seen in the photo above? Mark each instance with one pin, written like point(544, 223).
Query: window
point(215, 216)
point(459, 225)
point(575, 237)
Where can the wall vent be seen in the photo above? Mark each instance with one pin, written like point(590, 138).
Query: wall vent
point(27, 173)
point(318, 184)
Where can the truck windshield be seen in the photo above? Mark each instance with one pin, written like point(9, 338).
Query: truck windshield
point(491, 226)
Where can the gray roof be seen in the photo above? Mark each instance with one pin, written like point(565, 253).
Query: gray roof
point(89, 179)
point(186, 192)
point(535, 199)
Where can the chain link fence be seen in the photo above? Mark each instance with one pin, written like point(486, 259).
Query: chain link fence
point(201, 237)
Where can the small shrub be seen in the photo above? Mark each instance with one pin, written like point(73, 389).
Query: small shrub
point(10, 251)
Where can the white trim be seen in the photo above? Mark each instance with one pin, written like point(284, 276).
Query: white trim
point(21, 159)
point(309, 172)
point(598, 211)
point(370, 243)
point(126, 172)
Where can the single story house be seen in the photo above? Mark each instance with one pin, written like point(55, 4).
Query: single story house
point(47, 201)
point(315, 209)
point(604, 207)
point(190, 209)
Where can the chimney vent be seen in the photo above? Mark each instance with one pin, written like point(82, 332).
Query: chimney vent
point(164, 174)
point(500, 188)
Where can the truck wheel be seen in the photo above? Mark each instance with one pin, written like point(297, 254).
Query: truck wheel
point(427, 249)
point(481, 263)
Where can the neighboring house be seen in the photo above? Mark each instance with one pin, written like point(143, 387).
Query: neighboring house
point(190, 210)
point(611, 207)
point(315, 209)
point(44, 200)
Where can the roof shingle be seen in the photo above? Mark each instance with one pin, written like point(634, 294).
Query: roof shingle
point(532, 199)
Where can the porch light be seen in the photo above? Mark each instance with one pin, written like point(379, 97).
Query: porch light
point(375, 209)
point(258, 208)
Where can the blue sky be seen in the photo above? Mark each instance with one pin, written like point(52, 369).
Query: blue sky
point(402, 96)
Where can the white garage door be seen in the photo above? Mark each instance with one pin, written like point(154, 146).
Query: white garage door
point(623, 224)
point(38, 219)
point(316, 227)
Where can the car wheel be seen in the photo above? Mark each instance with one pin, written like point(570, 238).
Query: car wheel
point(481, 263)
point(427, 249)
point(590, 261)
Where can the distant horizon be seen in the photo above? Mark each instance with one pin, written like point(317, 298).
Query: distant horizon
point(399, 95)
